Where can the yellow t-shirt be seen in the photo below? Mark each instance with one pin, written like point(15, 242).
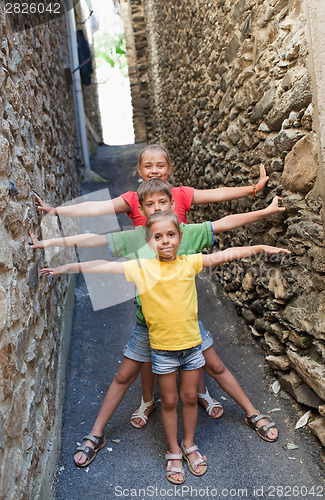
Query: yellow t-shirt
point(169, 300)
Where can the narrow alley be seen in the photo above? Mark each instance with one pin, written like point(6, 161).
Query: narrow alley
point(235, 93)
point(132, 464)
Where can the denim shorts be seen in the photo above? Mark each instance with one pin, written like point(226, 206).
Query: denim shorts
point(164, 362)
point(206, 337)
point(138, 348)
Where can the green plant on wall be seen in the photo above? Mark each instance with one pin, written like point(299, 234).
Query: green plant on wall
point(112, 49)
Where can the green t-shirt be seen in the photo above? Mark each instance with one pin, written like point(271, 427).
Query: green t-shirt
point(132, 245)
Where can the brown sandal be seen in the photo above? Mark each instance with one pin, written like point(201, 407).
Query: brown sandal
point(263, 430)
point(89, 452)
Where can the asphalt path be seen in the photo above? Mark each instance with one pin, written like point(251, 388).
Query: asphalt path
point(132, 464)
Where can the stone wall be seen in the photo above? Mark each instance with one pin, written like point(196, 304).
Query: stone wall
point(142, 87)
point(232, 88)
point(134, 29)
point(37, 141)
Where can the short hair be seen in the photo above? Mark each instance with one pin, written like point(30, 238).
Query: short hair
point(158, 216)
point(154, 147)
point(151, 186)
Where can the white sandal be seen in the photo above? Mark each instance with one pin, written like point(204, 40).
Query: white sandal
point(171, 470)
point(212, 405)
point(194, 464)
point(140, 413)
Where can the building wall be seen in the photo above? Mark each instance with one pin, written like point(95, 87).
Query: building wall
point(37, 141)
point(232, 87)
point(137, 59)
point(142, 86)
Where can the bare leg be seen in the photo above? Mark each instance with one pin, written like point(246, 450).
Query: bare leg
point(169, 397)
point(189, 380)
point(125, 376)
point(147, 378)
point(217, 370)
point(201, 387)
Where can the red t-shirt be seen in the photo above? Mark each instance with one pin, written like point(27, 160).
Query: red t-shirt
point(182, 196)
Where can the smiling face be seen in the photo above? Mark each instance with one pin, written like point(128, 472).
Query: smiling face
point(154, 164)
point(165, 240)
point(156, 202)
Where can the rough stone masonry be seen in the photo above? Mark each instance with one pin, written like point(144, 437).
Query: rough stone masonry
point(38, 149)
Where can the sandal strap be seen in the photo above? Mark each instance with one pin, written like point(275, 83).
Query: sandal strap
point(264, 429)
point(87, 451)
point(175, 470)
point(253, 419)
point(256, 418)
point(93, 439)
point(143, 407)
point(173, 456)
point(206, 396)
point(190, 450)
point(198, 461)
point(137, 415)
point(208, 399)
point(211, 407)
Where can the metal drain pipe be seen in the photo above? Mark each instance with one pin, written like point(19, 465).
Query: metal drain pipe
point(78, 104)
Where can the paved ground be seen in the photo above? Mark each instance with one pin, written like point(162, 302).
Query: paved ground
point(131, 466)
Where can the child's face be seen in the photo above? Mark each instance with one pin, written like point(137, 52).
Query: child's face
point(154, 164)
point(164, 240)
point(156, 202)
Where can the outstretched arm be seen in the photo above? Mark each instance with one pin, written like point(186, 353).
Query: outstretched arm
point(88, 240)
point(85, 209)
point(201, 196)
point(92, 266)
point(236, 253)
point(238, 220)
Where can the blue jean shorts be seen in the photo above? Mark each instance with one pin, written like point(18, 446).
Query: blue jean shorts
point(138, 348)
point(206, 337)
point(164, 362)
